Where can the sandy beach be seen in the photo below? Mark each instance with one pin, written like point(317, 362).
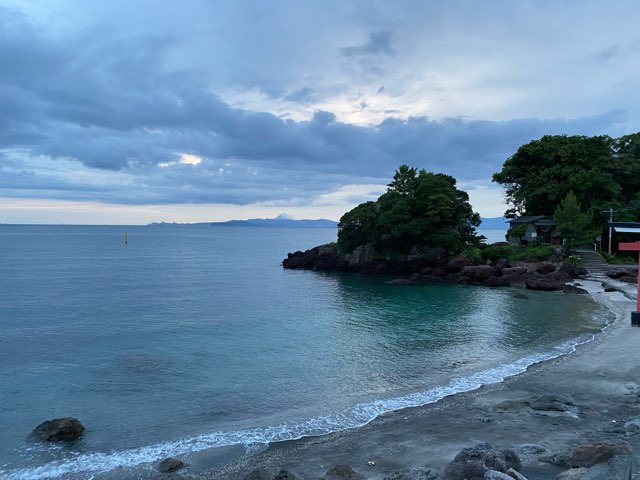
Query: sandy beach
point(602, 377)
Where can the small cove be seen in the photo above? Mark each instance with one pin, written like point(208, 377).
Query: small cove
point(192, 338)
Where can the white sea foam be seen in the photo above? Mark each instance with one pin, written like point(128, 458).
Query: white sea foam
point(88, 464)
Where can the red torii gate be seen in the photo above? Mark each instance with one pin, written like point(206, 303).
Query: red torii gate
point(634, 247)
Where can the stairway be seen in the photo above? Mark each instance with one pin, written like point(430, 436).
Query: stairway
point(593, 262)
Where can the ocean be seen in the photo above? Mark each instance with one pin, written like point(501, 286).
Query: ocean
point(192, 339)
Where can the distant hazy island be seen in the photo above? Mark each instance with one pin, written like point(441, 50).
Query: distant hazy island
point(282, 221)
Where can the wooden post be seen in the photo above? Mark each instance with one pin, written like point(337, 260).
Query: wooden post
point(634, 247)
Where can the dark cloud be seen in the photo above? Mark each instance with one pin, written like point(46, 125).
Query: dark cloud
point(379, 44)
point(101, 115)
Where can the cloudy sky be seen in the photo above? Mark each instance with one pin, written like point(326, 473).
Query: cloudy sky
point(155, 110)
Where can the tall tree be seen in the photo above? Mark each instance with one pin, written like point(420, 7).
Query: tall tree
point(572, 222)
point(418, 208)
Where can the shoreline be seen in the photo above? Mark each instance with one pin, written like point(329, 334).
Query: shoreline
point(598, 374)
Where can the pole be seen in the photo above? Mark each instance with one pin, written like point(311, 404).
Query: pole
point(610, 227)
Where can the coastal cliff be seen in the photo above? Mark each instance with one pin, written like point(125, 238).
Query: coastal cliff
point(433, 266)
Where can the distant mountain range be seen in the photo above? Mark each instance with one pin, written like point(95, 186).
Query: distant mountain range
point(286, 222)
point(280, 221)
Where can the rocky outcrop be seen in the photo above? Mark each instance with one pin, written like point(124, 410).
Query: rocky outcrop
point(59, 430)
point(432, 266)
point(623, 274)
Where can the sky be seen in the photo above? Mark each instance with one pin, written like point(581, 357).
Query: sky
point(130, 112)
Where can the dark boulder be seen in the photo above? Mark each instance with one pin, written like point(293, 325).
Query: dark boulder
point(514, 271)
point(544, 284)
point(567, 272)
point(458, 263)
point(342, 472)
point(59, 430)
point(324, 257)
point(556, 404)
point(418, 473)
point(264, 473)
point(170, 464)
point(478, 272)
point(473, 463)
point(545, 267)
point(593, 453)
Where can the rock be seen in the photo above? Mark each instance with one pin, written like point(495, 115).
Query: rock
point(59, 430)
point(632, 425)
point(516, 271)
point(562, 459)
point(545, 267)
point(591, 454)
point(495, 475)
point(620, 272)
point(264, 473)
point(170, 464)
point(414, 276)
point(458, 263)
point(544, 284)
point(573, 474)
point(478, 272)
point(567, 272)
point(512, 459)
point(472, 463)
point(555, 403)
point(516, 474)
point(342, 472)
point(418, 473)
point(323, 257)
point(511, 406)
point(531, 448)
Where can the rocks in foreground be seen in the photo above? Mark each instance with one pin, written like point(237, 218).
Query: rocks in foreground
point(59, 430)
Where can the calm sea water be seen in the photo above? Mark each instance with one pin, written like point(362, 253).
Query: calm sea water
point(193, 338)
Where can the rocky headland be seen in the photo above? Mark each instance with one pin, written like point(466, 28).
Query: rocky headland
point(434, 266)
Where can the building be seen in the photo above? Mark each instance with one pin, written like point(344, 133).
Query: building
point(539, 229)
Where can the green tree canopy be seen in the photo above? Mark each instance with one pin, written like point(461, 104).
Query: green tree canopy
point(572, 222)
point(543, 172)
point(418, 208)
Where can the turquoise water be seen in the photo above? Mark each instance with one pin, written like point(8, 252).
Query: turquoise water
point(193, 338)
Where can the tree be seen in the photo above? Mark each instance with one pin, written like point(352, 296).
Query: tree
point(542, 172)
point(572, 222)
point(418, 208)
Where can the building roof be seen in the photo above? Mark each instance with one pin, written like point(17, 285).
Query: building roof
point(625, 227)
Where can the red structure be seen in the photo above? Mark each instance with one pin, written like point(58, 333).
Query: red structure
point(634, 247)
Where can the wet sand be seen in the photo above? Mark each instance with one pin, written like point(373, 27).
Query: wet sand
point(603, 377)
